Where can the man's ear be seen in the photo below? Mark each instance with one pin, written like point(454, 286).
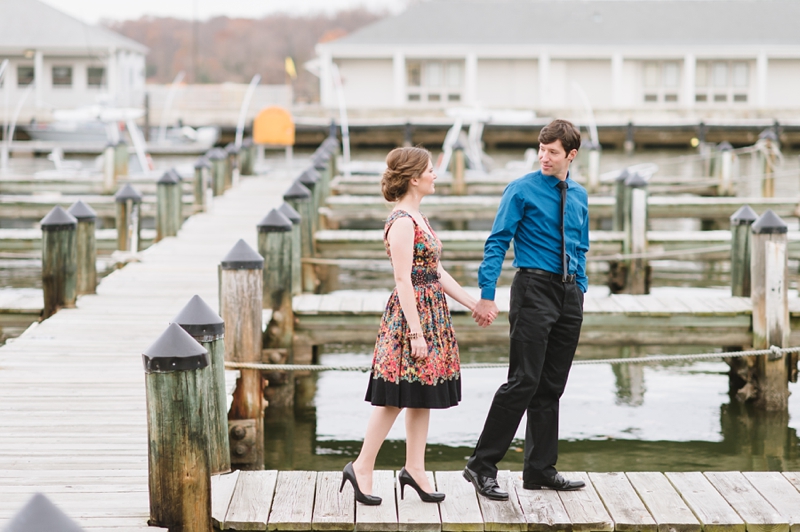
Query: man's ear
point(572, 154)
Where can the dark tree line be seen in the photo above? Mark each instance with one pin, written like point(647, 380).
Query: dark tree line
point(230, 49)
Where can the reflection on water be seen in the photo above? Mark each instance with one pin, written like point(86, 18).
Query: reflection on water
point(664, 417)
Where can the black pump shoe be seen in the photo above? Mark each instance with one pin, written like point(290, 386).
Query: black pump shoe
point(349, 474)
point(404, 477)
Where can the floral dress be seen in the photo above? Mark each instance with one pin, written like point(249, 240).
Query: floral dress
point(398, 379)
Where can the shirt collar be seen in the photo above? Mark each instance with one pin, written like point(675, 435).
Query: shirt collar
point(553, 181)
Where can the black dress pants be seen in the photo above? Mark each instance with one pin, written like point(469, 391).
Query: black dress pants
point(545, 316)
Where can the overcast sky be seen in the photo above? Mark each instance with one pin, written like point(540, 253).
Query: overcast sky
point(92, 11)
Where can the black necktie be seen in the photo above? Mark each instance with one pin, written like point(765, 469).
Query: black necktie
point(563, 186)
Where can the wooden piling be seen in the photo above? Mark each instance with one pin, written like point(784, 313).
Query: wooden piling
point(297, 275)
point(109, 176)
point(247, 157)
point(769, 275)
point(241, 301)
point(275, 245)
point(86, 248)
point(620, 191)
point(202, 180)
point(121, 157)
point(636, 236)
point(178, 460)
point(629, 144)
point(334, 148)
point(232, 165)
point(769, 139)
point(310, 178)
point(129, 223)
point(741, 222)
point(208, 329)
point(725, 186)
point(299, 197)
point(219, 161)
point(458, 168)
point(59, 261)
point(168, 204)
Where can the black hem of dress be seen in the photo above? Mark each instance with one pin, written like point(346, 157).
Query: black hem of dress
point(406, 394)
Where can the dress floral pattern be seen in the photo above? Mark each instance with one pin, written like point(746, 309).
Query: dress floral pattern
point(398, 379)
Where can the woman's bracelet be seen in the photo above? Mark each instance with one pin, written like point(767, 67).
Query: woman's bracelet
point(414, 335)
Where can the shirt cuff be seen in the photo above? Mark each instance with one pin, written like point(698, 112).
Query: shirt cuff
point(488, 293)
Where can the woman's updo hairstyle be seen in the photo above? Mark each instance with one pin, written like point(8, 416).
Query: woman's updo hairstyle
point(403, 165)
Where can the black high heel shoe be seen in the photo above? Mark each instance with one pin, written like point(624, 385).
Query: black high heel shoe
point(349, 474)
point(404, 477)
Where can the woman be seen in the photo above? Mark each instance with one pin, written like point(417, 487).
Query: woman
point(415, 365)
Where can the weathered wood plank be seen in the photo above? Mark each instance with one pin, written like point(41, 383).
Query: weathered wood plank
point(584, 507)
point(503, 515)
point(222, 487)
point(664, 503)
point(460, 510)
point(293, 504)
point(381, 518)
point(624, 505)
point(710, 508)
point(543, 509)
point(780, 493)
point(757, 513)
point(250, 504)
point(413, 514)
point(333, 510)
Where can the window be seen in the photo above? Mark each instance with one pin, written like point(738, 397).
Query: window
point(24, 75)
point(95, 76)
point(434, 80)
point(62, 76)
point(661, 80)
point(722, 82)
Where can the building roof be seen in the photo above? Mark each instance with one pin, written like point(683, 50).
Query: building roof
point(582, 22)
point(33, 25)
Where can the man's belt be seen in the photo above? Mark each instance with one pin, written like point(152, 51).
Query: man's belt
point(553, 276)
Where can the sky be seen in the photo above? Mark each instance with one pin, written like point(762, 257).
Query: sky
point(92, 11)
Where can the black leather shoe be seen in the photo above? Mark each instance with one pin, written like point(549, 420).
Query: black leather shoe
point(556, 482)
point(486, 486)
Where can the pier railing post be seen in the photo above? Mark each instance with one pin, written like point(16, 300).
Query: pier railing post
point(322, 162)
point(334, 148)
point(620, 192)
point(247, 157)
point(178, 459)
point(275, 245)
point(629, 145)
point(129, 223)
point(593, 170)
point(202, 179)
point(769, 274)
point(299, 197)
point(458, 167)
point(219, 160)
point(297, 259)
point(232, 166)
point(636, 234)
point(59, 261)
point(725, 186)
point(769, 141)
point(241, 303)
point(109, 167)
point(208, 329)
point(169, 204)
point(121, 157)
point(86, 248)
point(741, 222)
point(311, 179)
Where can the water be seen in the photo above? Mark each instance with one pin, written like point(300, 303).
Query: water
point(655, 417)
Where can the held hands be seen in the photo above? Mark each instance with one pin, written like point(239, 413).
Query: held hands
point(485, 312)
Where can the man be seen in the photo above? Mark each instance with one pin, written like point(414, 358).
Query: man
point(545, 313)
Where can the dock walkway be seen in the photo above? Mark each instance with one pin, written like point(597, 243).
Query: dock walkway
point(72, 396)
point(640, 502)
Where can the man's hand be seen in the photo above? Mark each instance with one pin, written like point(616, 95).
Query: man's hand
point(484, 312)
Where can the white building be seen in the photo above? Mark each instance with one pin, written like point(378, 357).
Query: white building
point(633, 59)
point(67, 62)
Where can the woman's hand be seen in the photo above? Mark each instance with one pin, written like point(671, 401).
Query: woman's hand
point(419, 348)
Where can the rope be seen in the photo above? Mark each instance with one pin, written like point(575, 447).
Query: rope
point(774, 352)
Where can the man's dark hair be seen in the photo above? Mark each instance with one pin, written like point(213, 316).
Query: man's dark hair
point(562, 130)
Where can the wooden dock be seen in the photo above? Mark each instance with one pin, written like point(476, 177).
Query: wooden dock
point(624, 502)
point(72, 395)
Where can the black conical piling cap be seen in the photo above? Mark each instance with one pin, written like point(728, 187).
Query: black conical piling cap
point(232, 148)
point(127, 193)
point(768, 133)
point(175, 350)
point(41, 515)
point(202, 162)
point(623, 175)
point(216, 154)
point(288, 211)
point(81, 211)
point(297, 191)
point(274, 222)
point(320, 159)
point(769, 223)
point(309, 178)
point(58, 219)
point(744, 216)
point(636, 181)
point(724, 146)
point(170, 177)
point(198, 319)
point(242, 257)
